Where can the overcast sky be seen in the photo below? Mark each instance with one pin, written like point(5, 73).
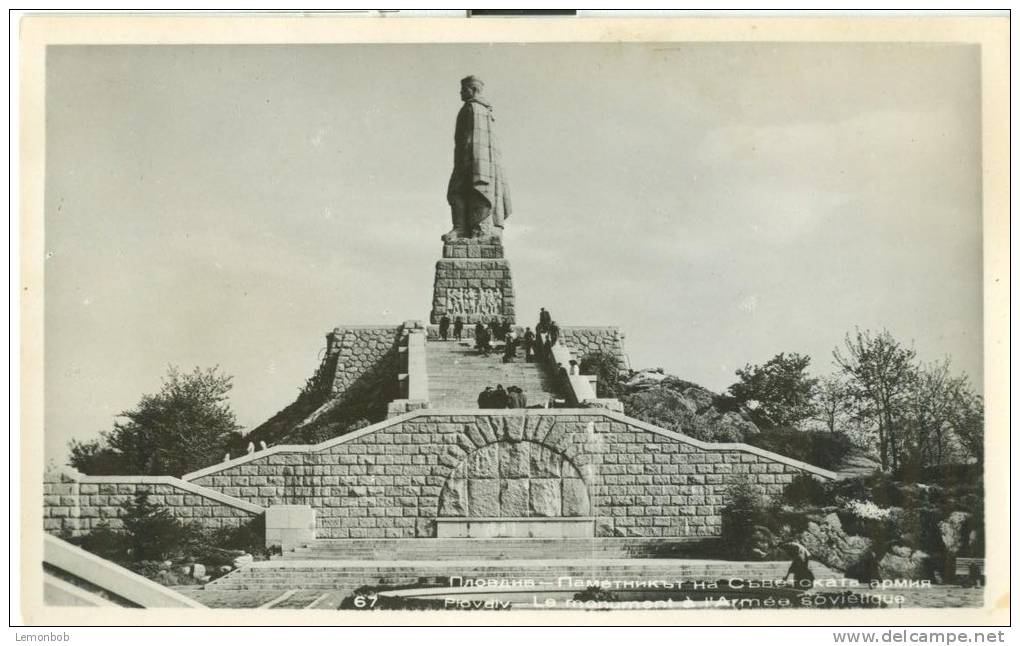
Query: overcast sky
point(720, 203)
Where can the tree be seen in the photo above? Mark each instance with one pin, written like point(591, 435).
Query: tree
point(607, 368)
point(95, 457)
point(967, 419)
point(946, 417)
point(185, 426)
point(779, 392)
point(832, 403)
point(926, 432)
point(880, 372)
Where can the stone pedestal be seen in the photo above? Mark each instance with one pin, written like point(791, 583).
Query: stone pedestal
point(473, 281)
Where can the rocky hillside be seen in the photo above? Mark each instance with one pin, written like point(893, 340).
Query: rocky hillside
point(672, 403)
point(685, 407)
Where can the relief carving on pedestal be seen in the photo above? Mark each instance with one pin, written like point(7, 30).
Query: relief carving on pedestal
point(474, 300)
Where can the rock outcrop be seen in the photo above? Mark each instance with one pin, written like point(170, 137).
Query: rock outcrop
point(670, 402)
point(829, 544)
point(904, 563)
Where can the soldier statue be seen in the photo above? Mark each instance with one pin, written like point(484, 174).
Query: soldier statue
point(478, 193)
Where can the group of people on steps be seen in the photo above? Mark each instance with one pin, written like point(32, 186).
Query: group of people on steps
point(537, 343)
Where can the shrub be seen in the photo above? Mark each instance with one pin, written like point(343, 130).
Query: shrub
point(152, 532)
point(826, 450)
point(745, 511)
point(865, 518)
point(727, 404)
point(867, 510)
point(679, 385)
point(806, 490)
point(885, 491)
point(607, 368)
point(660, 406)
point(103, 542)
point(249, 537)
point(672, 410)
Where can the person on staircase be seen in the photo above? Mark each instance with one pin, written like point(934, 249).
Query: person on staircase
point(513, 397)
point(480, 337)
point(544, 319)
point(562, 378)
point(444, 327)
point(499, 397)
point(544, 346)
point(495, 327)
point(486, 341)
point(458, 327)
point(554, 334)
point(510, 350)
point(485, 398)
point(529, 345)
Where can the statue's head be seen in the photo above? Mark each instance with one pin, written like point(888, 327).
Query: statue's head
point(470, 87)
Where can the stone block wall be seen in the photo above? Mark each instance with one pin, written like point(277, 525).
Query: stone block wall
point(394, 478)
point(362, 351)
point(77, 503)
point(583, 340)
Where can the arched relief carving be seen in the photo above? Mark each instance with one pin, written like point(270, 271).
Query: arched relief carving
point(509, 479)
point(502, 466)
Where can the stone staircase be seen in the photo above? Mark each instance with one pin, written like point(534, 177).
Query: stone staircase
point(457, 373)
point(498, 549)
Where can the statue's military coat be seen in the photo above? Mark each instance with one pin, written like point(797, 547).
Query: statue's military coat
point(477, 169)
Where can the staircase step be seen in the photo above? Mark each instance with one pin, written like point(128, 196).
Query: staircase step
point(457, 374)
point(460, 549)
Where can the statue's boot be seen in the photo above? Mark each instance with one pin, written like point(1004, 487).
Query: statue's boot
point(487, 233)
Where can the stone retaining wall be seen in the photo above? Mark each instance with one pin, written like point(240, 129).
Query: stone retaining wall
point(584, 340)
point(394, 478)
point(77, 503)
point(362, 351)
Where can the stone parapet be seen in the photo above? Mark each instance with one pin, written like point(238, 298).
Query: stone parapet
point(417, 370)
